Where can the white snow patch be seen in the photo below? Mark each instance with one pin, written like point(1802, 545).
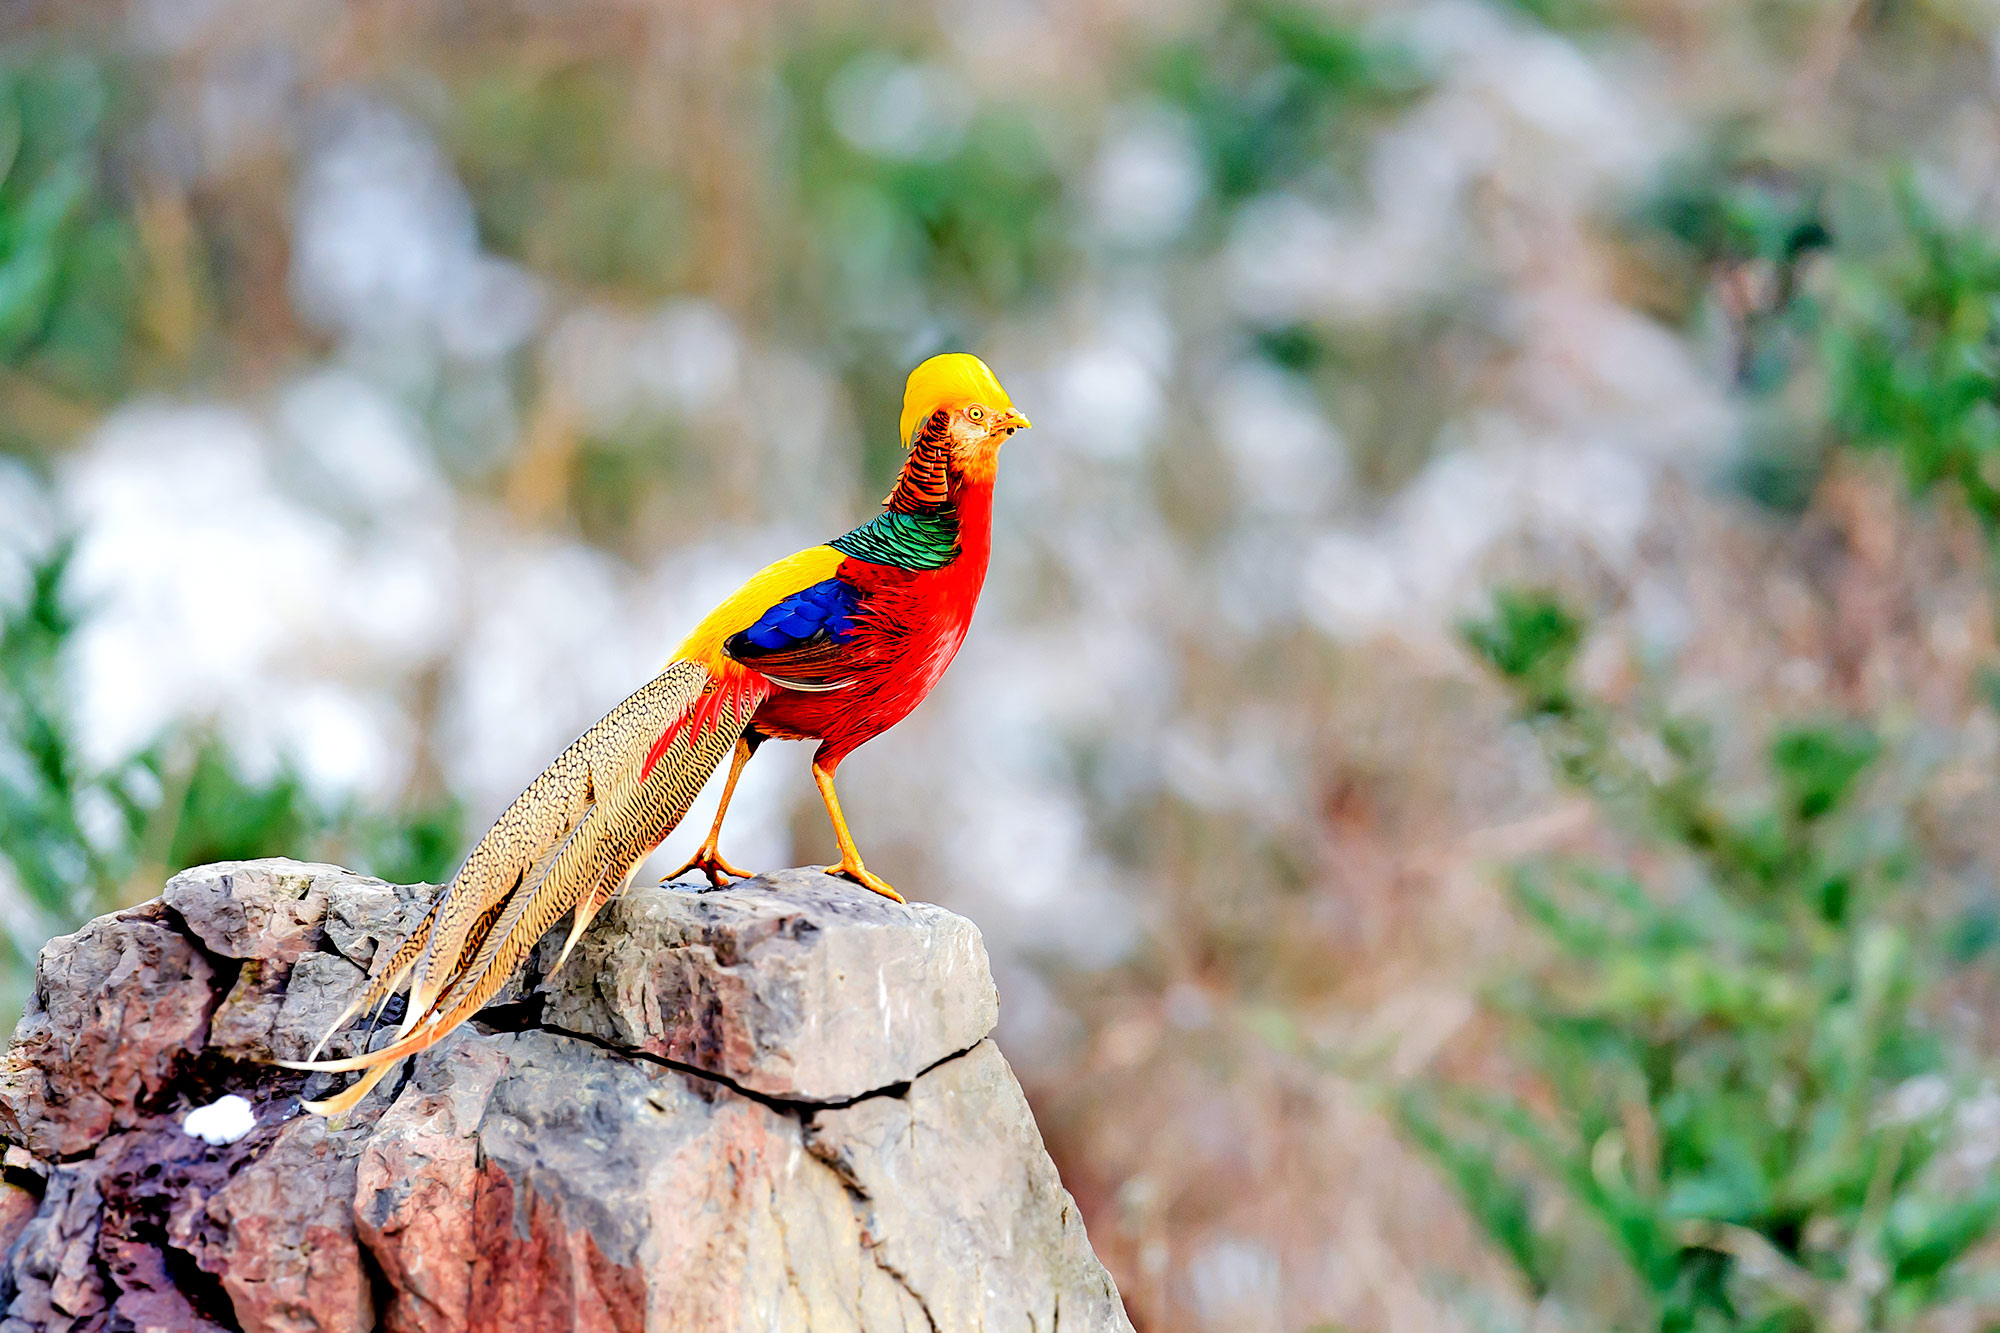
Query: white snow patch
point(223, 1121)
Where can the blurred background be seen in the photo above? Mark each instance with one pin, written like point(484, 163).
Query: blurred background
point(1477, 763)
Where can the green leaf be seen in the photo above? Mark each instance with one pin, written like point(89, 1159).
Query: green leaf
point(1925, 1236)
point(1532, 640)
point(1816, 766)
point(227, 816)
point(1500, 1203)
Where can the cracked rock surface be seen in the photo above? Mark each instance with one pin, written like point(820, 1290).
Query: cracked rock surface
point(773, 1106)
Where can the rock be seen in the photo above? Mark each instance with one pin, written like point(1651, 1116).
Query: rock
point(774, 1106)
point(362, 913)
point(961, 1203)
point(414, 1176)
point(118, 1009)
point(145, 1179)
point(321, 986)
point(288, 1257)
point(281, 910)
point(241, 1027)
point(793, 985)
point(53, 1266)
point(18, 1206)
point(253, 909)
point(603, 1186)
point(306, 935)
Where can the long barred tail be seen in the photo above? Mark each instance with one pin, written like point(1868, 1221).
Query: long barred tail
point(569, 842)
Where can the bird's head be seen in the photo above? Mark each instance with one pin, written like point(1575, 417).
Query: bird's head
point(977, 416)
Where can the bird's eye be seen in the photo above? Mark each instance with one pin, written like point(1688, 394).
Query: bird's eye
point(976, 413)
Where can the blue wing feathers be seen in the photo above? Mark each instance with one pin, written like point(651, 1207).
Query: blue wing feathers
point(825, 609)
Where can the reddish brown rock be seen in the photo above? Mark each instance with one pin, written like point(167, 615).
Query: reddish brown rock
point(119, 1009)
point(858, 1159)
point(175, 1231)
point(538, 1273)
point(288, 1256)
point(417, 1181)
point(140, 1177)
point(605, 1192)
point(57, 1285)
point(18, 1207)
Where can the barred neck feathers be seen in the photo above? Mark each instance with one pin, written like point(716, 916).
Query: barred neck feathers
point(924, 483)
point(919, 526)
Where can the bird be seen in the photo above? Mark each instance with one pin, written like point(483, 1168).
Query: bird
point(835, 644)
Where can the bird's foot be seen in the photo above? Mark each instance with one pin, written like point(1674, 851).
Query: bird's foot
point(710, 863)
point(865, 877)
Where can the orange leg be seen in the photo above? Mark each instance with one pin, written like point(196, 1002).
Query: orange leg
point(707, 859)
point(850, 859)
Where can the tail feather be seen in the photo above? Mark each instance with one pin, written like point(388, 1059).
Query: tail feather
point(569, 843)
point(530, 912)
point(388, 980)
point(586, 911)
point(350, 1097)
point(534, 907)
point(482, 926)
point(530, 829)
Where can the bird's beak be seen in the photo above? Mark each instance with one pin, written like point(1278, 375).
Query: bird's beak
point(1012, 420)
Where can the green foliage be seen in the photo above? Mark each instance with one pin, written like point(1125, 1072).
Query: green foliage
point(226, 816)
point(1279, 91)
point(559, 181)
point(1914, 356)
point(972, 214)
point(1737, 1084)
point(417, 844)
point(930, 234)
point(68, 260)
point(1532, 641)
point(64, 864)
point(1877, 333)
point(77, 840)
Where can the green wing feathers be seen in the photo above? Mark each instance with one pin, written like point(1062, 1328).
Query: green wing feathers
point(567, 844)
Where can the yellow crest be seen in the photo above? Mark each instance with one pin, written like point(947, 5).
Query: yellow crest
point(951, 380)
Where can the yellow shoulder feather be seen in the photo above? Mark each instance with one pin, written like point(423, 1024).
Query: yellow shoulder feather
point(744, 607)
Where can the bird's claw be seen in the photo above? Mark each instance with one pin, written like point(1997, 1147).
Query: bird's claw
point(710, 863)
point(865, 877)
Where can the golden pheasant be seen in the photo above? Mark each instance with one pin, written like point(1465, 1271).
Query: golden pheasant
point(835, 644)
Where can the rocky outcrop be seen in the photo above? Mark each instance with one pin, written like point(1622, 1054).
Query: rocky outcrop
point(774, 1106)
